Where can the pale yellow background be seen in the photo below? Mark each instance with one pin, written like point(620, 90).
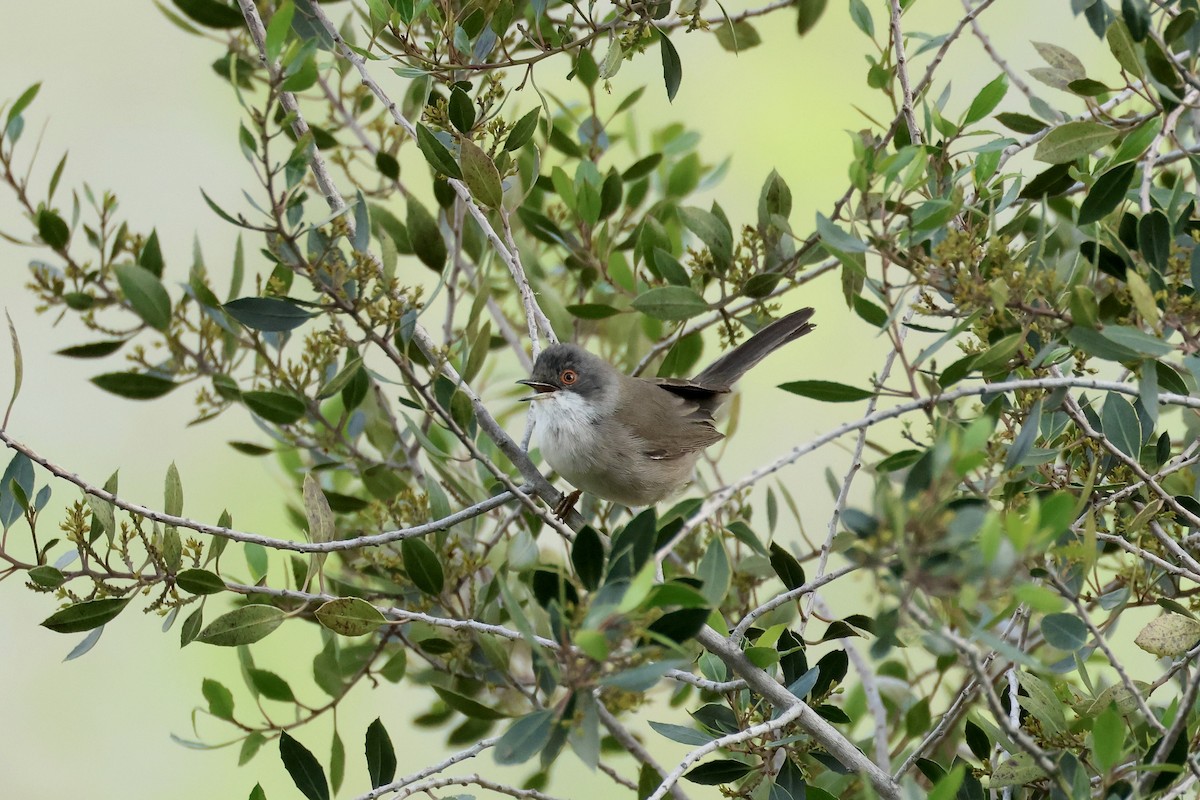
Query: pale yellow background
point(135, 102)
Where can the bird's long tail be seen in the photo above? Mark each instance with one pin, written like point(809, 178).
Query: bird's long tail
point(734, 364)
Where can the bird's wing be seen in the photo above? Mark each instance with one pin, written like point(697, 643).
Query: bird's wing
point(683, 425)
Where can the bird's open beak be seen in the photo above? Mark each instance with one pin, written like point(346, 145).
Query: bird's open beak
point(541, 389)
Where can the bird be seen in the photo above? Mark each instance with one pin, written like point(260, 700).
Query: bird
point(631, 440)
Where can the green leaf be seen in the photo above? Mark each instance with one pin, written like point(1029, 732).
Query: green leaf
point(425, 236)
point(592, 311)
point(1136, 14)
point(269, 314)
point(134, 385)
point(199, 581)
point(465, 705)
point(244, 625)
point(986, 101)
point(1169, 636)
point(461, 110)
point(18, 368)
point(1154, 239)
point(307, 773)
point(1108, 738)
point(1064, 631)
point(350, 616)
point(838, 239)
point(436, 153)
point(670, 303)
point(480, 175)
point(737, 36)
point(1123, 48)
point(220, 699)
point(145, 294)
point(1094, 344)
point(23, 102)
point(1121, 426)
point(525, 738)
point(678, 733)
point(1073, 140)
point(277, 407)
point(809, 12)
point(713, 231)
point(381, 755)
point(723, 770)
point(278, 28)
point(1136, 340)
point(151, 257)
point(211, 13)
point(826, 391)
point(270, 685)
point(53, 229)
point(1021, 123)
point(86, 615)
point(587, 556)
point(786, 567)
point(92, 350)
point(1106, 193)
point(642, 167)
point(523, 130)
point(47, 576)
point(672, 66)
point(422, 566)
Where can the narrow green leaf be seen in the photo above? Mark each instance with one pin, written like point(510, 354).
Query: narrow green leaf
point(134, 385)
point(86, 615)
point(23, 102)
point(1106, 193)
point(809, 12)
point(1121, 426)
point(670, 303)
point(523, 130)
point(277, 407)
point(151, 257)
point(18, 368)
point(350, 616)
point(145, 294)
point(525, 738)
point(826, 391)
point(436, 153)
point(381, 755)
point(307, 773)
point(986, 101)
point(425, 236)
point(671, 64)
point(269, 314)
point(1073, 140)
point(244, 625)
point(461, 110)
point(422, 566)
point(199, 581)
point(92, 350)
point(722, 770)
point(480, 175)
point(211, 13)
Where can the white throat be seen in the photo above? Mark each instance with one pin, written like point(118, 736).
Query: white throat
point(567, 430)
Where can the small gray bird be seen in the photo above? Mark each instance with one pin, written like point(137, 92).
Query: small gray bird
point(636, 440)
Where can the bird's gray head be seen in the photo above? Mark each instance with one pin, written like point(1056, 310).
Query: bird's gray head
point(568, 369)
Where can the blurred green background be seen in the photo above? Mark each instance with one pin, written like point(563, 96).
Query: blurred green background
point(134, 101)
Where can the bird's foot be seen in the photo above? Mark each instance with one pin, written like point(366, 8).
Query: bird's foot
point(566, 504)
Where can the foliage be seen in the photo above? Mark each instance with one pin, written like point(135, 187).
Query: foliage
point(1034, 272)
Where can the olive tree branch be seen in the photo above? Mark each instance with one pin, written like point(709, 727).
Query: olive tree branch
point(457, 758)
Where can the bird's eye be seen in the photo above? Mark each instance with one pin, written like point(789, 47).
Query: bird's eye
point(568, 377)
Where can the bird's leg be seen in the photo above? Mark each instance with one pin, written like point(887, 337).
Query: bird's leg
point(566, 504)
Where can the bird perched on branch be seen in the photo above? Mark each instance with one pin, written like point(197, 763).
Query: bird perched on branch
point(636, 440)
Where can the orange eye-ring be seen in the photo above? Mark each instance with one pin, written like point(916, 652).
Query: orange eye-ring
point(568, 377)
